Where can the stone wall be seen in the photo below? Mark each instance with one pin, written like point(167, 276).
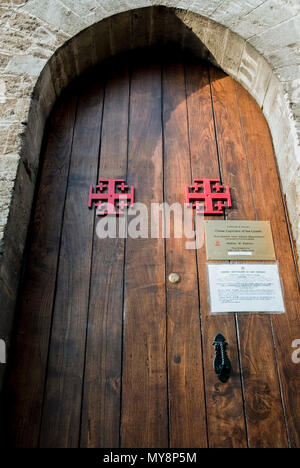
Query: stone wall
point(46, 44)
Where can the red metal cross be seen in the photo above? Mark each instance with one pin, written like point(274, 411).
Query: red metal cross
point(217, 187)
point(108, 199)
point(101, 186)
point(122, 186)
point(209, 192)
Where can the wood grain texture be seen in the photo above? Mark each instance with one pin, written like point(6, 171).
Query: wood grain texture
point(144, 388)
point(108, 352)
point(186, 389)
point(225, 413)
point(26, 387)
point(61, 412)
point(265, 181)
point(102, 380)
point(261, 386)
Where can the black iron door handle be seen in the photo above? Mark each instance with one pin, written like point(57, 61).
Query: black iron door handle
point(222, 363)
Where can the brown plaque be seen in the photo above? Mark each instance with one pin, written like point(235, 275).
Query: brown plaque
point(239, 240)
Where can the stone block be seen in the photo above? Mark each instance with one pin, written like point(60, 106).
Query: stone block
point(97, 15)
point(278, 37)
point(40, 52)
point(56, 14)
point(274, 99)
point(194, 33)
point(197, 24)
point(202, 7)
point(17, 85)
point(4, 59)
point(14, 110)
point(229, 12)
point(287, 156)
point(184, 4)
point(49, 38)
point(8, 167)
point(112, 7)
point(25, 64)
point(254, 73)
point(292, 89)
point(23, 23)
point(216, 37)
point(125, 5)
point(288, 73)
point(44, 37)
point(285, 56)
point(277, 114)
point(81, 8)
point(233, 54)
point(14, 42)
point(10, 137)
point(267, 15)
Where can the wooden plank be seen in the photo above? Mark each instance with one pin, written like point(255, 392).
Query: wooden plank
point(28, 368)
point(261, 386)
point(265, 180)
point(225, 413)
point(61, 414)
point(247, 161)
point(102, 386)
point(186, 389)
point(144, 386)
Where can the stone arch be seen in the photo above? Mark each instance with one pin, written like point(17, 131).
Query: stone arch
point(71, 36)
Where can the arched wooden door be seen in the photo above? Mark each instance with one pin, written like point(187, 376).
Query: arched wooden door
point(110, 353)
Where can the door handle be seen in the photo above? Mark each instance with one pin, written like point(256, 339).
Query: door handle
point(222, 363)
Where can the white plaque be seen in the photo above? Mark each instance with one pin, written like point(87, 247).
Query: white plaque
point(243, 287)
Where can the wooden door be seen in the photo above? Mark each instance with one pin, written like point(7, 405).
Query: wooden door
point(108, 352)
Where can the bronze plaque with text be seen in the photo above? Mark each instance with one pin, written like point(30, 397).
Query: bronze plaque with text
point(239, 240)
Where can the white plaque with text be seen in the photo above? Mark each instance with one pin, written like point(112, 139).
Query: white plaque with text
point(245, 288)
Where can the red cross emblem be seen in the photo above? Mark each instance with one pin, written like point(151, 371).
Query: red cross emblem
point(111, 196)
point(208, 196)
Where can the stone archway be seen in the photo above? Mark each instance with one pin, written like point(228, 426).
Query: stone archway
point(85, 33)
